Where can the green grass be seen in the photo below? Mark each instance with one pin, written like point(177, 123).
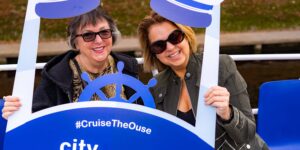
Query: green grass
point(253, 15)
point(237, 16)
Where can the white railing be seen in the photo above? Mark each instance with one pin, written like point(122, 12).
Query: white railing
point(254, 57)
point(266, 57)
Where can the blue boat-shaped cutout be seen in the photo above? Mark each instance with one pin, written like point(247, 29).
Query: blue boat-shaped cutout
point(187, 12)
point(65, 9)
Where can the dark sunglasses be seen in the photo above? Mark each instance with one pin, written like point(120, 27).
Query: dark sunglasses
point(174, 38)
point(91, 36)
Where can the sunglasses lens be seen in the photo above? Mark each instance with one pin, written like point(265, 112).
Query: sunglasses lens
point(176, 37)
point(105, 34)
point(158, 47)
point(91, 36)
point(88, 37)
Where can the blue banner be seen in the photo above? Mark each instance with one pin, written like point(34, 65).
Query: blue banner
point(104, 126)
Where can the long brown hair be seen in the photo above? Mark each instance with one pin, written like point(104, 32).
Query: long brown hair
point(150, 60)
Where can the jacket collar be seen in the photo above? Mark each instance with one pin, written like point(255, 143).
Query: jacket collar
point(193, 70)
point(58, 70)
point(169, 81)
point(194, 66)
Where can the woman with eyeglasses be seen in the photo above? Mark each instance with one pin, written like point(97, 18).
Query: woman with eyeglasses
point(171, 48)
point(91, 37)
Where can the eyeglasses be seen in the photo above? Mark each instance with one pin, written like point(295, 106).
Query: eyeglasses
point(160, 46)
point(91, 36)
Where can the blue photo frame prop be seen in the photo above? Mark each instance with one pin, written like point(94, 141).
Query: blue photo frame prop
point(59, 124)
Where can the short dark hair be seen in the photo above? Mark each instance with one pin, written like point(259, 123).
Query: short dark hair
point(91, 17)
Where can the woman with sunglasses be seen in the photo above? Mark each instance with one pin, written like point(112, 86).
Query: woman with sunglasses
point(91, 37)
point(171, 48)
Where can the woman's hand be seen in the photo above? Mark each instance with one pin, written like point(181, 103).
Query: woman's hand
point(11, 105)
point(218, 97)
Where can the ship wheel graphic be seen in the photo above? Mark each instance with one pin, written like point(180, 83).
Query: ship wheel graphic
point(119, 79)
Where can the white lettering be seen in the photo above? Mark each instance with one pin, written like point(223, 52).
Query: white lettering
point(84, 124)
point(74, 144)
point(113, 123)
point(94, 148)
point(82, 145)
point(63, 145)
point(131, 125)
point(148, 131)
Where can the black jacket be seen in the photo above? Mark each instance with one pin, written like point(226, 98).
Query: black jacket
point(56, 84)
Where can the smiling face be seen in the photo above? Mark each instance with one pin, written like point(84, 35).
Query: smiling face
point(96, 51)
point(175, 56)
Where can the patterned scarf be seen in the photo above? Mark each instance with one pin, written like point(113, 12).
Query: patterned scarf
point(79, 84)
